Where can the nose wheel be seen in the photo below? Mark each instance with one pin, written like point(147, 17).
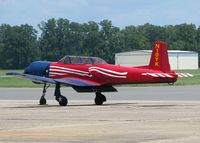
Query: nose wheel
point(42, 99)
point(99, 99)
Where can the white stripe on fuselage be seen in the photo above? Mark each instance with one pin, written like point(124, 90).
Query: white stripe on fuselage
point(56, 70)
point(109, 71)
point(69, 69)
point(107, 74)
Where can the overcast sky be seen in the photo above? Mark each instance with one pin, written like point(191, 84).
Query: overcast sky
point(121, 12)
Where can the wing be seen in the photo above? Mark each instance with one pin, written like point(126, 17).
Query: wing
point(77, 82)
point(34, 78)
point(65, 81)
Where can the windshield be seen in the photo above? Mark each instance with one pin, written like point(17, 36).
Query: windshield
point(81, 60)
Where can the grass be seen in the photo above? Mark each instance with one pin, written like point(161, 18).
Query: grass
point(189, 81)
point(9, 81)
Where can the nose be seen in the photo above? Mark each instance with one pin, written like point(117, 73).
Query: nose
point(39, 68)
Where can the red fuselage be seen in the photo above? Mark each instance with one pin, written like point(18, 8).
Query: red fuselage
point(107, 74)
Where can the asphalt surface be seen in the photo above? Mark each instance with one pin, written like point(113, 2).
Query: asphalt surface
point(132, 115)
point(185, 93)
point(116, 122)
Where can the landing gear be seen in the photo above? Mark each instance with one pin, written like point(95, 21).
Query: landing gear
point(42, 99)
point(99, 99)
point(62, 100)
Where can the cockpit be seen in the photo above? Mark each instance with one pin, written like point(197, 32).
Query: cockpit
point(81, 60)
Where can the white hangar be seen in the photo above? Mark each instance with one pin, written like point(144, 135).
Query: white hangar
point(178, 59)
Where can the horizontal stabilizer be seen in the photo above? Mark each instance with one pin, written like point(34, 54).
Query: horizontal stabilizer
point(184, 75)
point(164, 75)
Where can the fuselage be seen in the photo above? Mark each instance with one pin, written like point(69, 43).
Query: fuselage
point(107, 73)
point(103, 73)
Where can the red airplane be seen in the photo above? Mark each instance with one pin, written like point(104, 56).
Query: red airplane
point(92, 74)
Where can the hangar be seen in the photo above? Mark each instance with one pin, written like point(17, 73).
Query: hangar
point(178, 59)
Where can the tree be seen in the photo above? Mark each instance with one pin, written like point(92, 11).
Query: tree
point(185, 37)
point(109, 41)
point(132, 39)
point(18, 46)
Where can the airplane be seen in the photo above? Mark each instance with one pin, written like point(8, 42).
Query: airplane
point(93, 74)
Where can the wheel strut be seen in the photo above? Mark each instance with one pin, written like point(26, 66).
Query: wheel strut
point(42, 99)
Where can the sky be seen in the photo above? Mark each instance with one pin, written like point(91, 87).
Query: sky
point(122, 13)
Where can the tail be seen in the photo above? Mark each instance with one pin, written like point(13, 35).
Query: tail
point(159, 58)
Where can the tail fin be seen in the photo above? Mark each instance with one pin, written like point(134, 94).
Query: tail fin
point(159, 58)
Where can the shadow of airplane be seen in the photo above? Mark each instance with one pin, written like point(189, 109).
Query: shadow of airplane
point(71, 105)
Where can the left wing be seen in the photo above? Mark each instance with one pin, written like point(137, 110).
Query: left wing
point(34, 78)
point(65, 81)
point(76, 82)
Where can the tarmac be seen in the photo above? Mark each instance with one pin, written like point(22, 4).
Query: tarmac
point(118, 120)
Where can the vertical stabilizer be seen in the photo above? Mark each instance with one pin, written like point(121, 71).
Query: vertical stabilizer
point(159, 58)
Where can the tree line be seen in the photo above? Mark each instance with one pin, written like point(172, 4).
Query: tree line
point(21, 44)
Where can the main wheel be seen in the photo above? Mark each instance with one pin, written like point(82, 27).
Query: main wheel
point(43, 100)
point(62, 100)
point(99, 99)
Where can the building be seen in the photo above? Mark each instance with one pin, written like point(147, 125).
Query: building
point(177, 59)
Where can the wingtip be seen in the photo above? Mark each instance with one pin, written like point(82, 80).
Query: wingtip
point(12, 73)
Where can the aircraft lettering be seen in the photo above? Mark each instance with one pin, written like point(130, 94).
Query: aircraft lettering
point(157, 46)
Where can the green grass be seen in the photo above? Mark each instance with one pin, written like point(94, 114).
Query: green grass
point(189, 81)
point(9, 81)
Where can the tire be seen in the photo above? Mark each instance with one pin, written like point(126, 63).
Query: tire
point(43, 100)
point(62, 100)
point(98, 100)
